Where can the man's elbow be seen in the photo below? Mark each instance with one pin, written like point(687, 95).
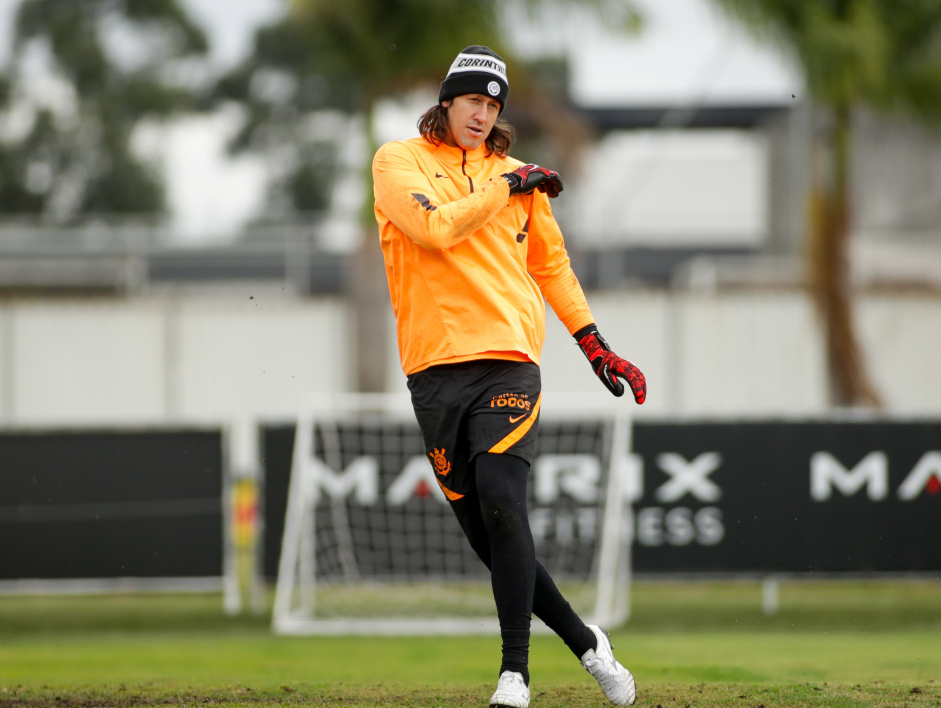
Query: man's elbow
point(440, 239)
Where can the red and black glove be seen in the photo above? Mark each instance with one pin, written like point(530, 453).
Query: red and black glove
point(609, 366)
point(527, 178)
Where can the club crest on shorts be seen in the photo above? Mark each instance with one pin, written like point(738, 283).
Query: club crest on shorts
point(440, 462)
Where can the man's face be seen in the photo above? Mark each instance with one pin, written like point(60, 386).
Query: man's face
point(470, 119)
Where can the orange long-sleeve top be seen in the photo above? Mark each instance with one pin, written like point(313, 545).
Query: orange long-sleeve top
point(468, 265)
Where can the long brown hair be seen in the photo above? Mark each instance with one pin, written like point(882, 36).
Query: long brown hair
point(433, 126)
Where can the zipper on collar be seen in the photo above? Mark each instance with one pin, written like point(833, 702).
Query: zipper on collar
point(463, 165)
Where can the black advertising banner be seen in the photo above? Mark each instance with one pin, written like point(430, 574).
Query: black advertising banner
point(106, 504)
point(738, 496)
point(788, 497)
point(715, 497)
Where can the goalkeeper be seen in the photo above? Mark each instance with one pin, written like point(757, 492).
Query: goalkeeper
point(472, 252)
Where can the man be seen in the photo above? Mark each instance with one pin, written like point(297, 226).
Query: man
point(471, 250)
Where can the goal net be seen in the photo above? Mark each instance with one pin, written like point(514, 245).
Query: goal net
point(371, 547)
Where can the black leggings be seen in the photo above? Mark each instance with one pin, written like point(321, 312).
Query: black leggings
point(493, 517)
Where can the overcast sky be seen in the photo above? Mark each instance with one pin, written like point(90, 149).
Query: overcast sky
point(230, 24)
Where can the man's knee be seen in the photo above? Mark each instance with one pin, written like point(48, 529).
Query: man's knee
point(501, 487)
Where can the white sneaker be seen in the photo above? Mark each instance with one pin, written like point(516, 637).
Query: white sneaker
point(616, 681)
point(511, 691)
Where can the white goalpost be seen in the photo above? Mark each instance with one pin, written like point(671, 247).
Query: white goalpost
point(371, 547)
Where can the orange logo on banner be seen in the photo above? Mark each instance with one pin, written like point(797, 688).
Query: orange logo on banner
point(440, 462)
point(245, 513)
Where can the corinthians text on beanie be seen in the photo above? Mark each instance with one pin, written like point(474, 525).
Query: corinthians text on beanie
point(476, 69)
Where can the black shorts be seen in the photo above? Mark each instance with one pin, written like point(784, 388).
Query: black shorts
point(473, 407)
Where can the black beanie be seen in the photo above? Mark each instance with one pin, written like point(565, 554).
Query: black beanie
point(476, 69)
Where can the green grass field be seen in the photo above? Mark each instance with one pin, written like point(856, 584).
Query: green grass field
point(688, 644)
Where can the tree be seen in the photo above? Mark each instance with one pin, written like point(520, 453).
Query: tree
point(879, 54)
point(115, 63)
point(348, 56)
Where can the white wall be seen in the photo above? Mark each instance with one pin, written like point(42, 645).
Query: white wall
point(75, 361)
point(902, 339)
point(167, 360)
point(209, 360)
point(703, 354)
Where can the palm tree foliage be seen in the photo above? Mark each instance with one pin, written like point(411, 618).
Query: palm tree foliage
point(883, 55)
point(120, 62)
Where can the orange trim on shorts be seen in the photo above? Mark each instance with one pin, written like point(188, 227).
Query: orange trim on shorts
point(520, 430)
point(453, 496)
